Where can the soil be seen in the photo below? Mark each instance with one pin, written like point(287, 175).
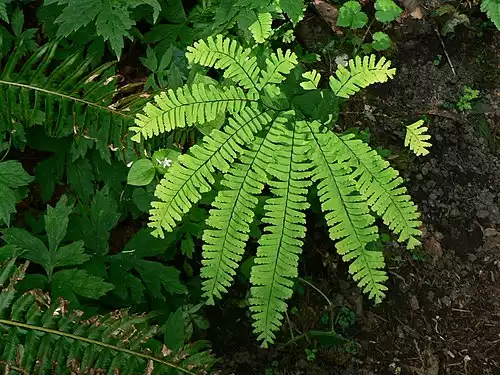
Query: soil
point(442, 311)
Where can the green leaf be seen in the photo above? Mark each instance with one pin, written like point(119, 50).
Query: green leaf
point(17, 22)
point(381, 41)
point(71, 255)
point(350, 15)
point(56, 222)
point(12, 175)
point(492, 9)
point(70, 283)
point(174, 330)
point(164, 158)
point(312, 82)
point(3, 11)
point(261, 28)
point(113, 23)
point(386, 10)
point(142, 199)
point(141, 173)
point(143, 245)
point(155, 275)
point(293, 8)
point(35, 249)
point(80, 178)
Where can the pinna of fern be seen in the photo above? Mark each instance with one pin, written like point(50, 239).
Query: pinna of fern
point(41, 337)
point(268, 141)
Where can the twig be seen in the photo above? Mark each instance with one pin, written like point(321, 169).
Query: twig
point(364, 36)
point(330, 304)
point(8, 148)
point(445, 52)
point(289, 324)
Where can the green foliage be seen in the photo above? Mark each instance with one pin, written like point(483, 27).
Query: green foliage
point(12, 177)
point(469, 95)
point(350, 15)
point(141, 173)
point(3, 11)
point(42, 337)
point(273, 138)
point(386, 10)
point(492, 9)
point(381, 41)
point(112, 19)
point(416, 138)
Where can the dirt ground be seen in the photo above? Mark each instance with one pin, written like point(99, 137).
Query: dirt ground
point(442, 312)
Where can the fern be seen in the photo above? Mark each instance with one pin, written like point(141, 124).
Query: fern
point(68, 99)
point(492, 9)
point(276, 141)
point(416, 138)
point(261, 28)
point(3, 11)
point(37, 336)
point(361, 73)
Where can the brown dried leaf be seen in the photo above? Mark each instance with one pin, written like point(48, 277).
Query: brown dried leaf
point(328, 12)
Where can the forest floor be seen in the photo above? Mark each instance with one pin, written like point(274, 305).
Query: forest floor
point(442, 311)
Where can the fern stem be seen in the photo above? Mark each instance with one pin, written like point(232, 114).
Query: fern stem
point(69, 97)
point(93, 342)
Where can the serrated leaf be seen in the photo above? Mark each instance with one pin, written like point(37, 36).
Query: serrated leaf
point(113, 24)
point(293, 8)
point(381, 41)
point(35, 249)
point(155, 275)
point(56, 222)
point(142, 199)
point(141, 173)
point(386, 10)
point(71, 255)
point(174, 330)
point(350, 15)
point(70, 283)
point(492, 9)
point(80, 178)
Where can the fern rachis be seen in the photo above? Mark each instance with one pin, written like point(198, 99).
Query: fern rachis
point(287, 151)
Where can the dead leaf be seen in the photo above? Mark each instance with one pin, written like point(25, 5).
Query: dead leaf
point(433, 248)
point(328, 12)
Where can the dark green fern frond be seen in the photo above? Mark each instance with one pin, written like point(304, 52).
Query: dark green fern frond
point(381, 186)
point(276, 264)
point(361, 73)
point(39, 337)
point(233, 213)
point(239, 64)
point(347, 213)
point(188, 106)
point(192, 175)
point(68, 99)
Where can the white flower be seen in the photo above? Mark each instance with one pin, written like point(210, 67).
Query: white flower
point(165, 163)
point(130, 164)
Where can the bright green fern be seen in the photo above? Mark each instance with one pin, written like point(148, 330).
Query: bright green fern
point(38, 336)
point(268, 140)
point(417, 138)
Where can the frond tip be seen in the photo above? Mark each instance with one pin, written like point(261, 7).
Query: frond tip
point(360, 74)
point(417, 137)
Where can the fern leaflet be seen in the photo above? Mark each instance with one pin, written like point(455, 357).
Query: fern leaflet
point(492, 9)
point(238, 63)
point(416, 138)
point(278, 65)
point(276, 265)
point(261, 28)
point(347, 213)
point(361, 73)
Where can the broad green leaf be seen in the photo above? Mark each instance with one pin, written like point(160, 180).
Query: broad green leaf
point(13, 175)
point(381, 41)
point(80, 178)
point(141, 173)
point(386, 10)
point(293, 8)
point(492, 9)
point(155, 275)
point(70, 283)
point(48, 173)
point(350, 15)
point(56, 222)
point(142, 199)
point(7, 204)
point(174, 330)
point(17, 22)
point(35, 249)
point(144, 245)
point(71, 255)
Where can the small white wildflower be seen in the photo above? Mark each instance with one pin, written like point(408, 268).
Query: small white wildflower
point(130, 164)
point(341, 60)
point(165, 163)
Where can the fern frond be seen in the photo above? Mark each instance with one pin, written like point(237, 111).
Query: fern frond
point(234, 212)
point(278, 65)
point(70, 99)
point(381, 186)
point(197, 104)
point(261, 28)
point(416, 138)
point(313, 78)
point(276, 264)
point(192, 174)
point(38, 337)
point(239, 63)
point(347, 213)
point(492, 9)
point(360, 74)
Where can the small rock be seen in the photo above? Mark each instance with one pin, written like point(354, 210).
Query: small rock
point(482, 214)
point(489, 232)
point(414, 303)
point(433, 248)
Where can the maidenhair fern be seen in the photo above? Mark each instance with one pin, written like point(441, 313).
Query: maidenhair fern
point(417, 138)
point(38, 336)
point(268, 140)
